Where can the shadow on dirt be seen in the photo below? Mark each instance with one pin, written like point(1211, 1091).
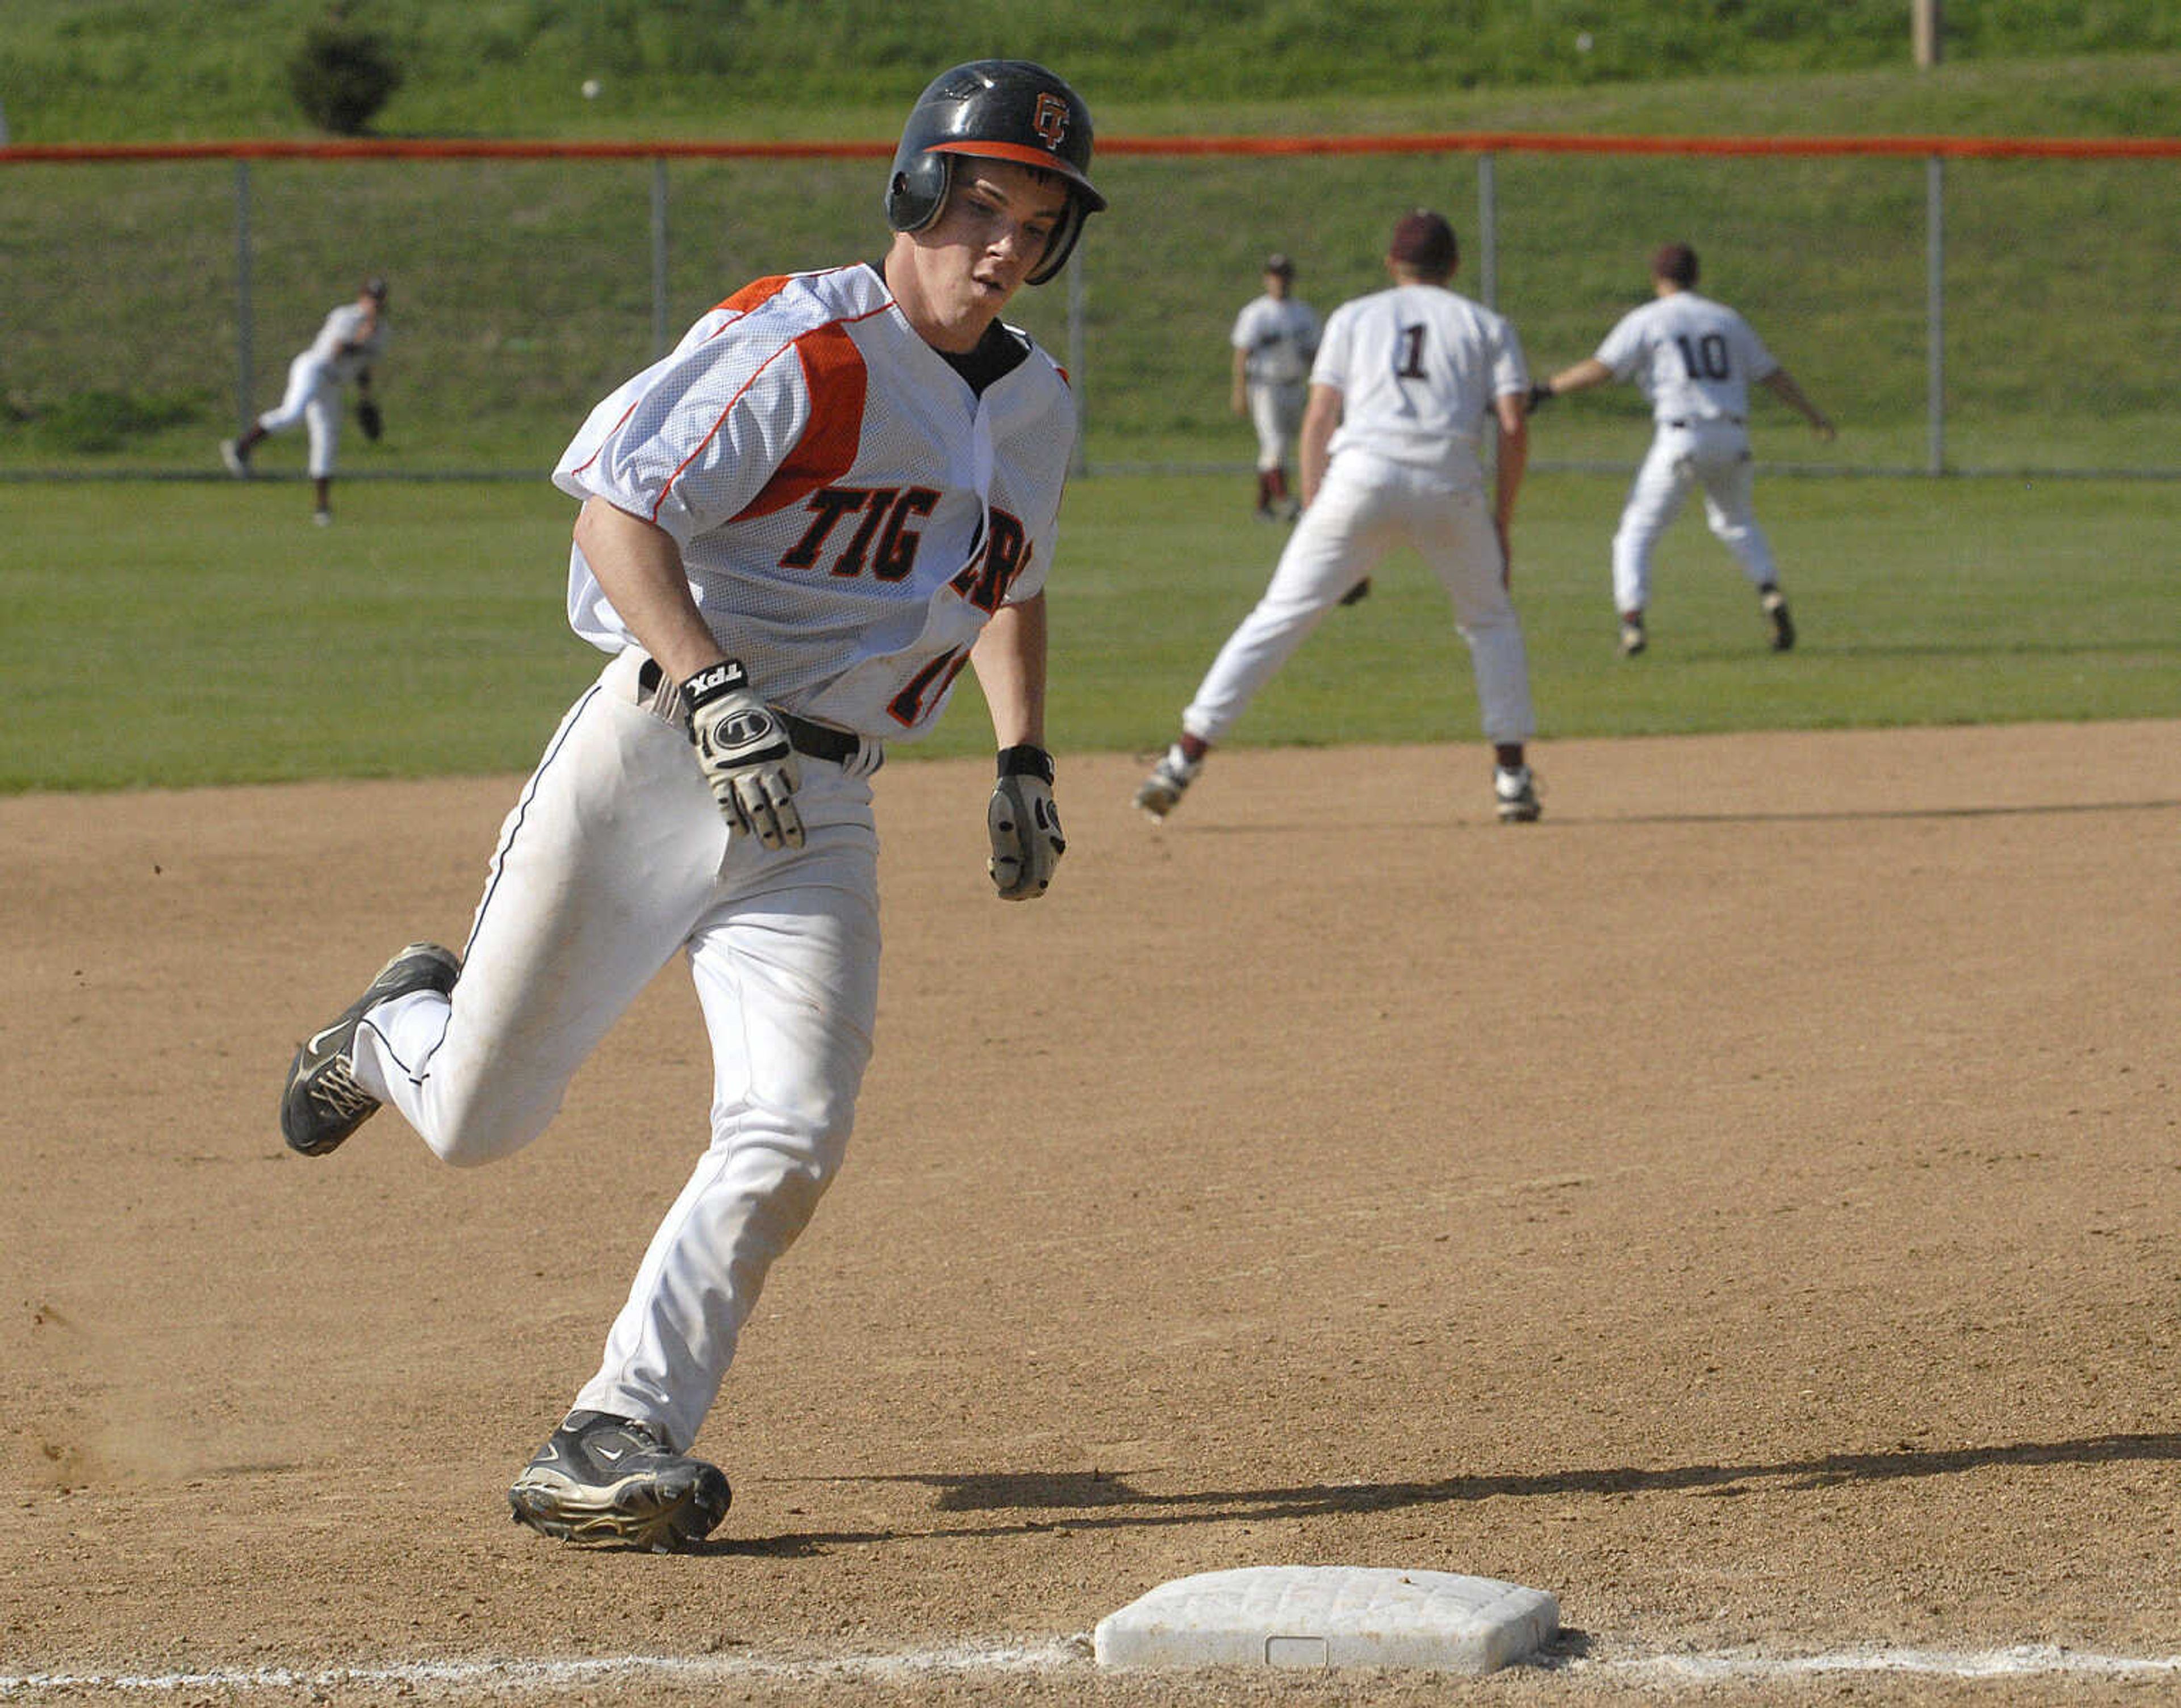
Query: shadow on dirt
point(1102, 1500)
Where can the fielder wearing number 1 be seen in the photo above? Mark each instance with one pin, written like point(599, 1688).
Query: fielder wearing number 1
point(796, 531)
point(1404, 383)
point(1694, 358)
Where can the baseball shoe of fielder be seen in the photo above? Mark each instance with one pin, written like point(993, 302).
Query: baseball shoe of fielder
point(1515, 794)
point(1773, 604)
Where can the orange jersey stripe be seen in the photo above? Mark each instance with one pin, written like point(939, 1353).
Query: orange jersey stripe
point(833, 369)
point(754, 295)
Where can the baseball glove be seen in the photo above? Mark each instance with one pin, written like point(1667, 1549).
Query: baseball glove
point(1540, 395)
point(369, 419)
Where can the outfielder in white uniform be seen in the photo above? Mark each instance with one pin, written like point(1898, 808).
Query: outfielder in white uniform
point(1404, 383)
point(796, 531)
point(351, 339)
point(1274, 339)
point(1694, 358)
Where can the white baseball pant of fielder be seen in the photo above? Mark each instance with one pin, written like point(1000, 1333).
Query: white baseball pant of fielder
point(313, 397)
point(1276, 414)
point(1710, 455)
point(1369, 505)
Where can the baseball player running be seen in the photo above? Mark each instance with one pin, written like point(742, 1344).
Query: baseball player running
point(351, 339)
point(1274, 338)
point(1694, 358)
point(1404, 383)
point(796, 530)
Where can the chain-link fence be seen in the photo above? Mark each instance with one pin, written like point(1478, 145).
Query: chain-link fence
point(1959, 307)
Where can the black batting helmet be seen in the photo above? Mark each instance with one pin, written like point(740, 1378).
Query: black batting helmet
point(995, 109)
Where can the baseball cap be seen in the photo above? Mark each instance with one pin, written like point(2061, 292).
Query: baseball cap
point(1424, 240)
point(1277, 262)
point(376, 287)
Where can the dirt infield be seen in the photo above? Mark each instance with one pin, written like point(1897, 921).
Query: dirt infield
point(1747, 1204)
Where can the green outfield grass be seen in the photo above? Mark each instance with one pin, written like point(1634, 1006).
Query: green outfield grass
point(186, 634)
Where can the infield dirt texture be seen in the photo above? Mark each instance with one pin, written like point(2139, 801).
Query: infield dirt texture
point(1747, 1204)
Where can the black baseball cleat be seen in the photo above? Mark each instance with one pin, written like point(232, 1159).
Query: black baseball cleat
point(607, 1481)
point(1774, 603)
point(1515, 795)
point(322, 1103)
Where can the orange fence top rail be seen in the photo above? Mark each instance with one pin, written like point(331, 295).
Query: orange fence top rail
point(1445, 142)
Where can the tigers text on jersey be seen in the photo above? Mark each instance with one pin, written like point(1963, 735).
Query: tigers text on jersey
point(1277, 336)
point(1692, 357)
point(850, 512)
point(1418, 367)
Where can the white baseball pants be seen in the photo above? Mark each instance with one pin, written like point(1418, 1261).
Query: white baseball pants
point(614, 857)
point(313, 397)
point(1275, 412)
point(1366, 506)
point(1714, 455)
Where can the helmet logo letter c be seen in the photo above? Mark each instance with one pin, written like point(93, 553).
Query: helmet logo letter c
point(1050, 121)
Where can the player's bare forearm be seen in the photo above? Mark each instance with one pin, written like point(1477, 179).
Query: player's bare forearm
point(1781, 384)
point(639, 567)
point(1314, 453)
point(1581, 377)
point(1513, 460)
point(1009, 659)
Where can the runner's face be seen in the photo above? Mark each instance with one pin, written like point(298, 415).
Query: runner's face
point(998, 221)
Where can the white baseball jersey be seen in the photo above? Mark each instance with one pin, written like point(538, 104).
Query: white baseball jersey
point(338, 347)
point(1418, 367)
point(849, 511)
point(1277, 336)
point(1692, 357)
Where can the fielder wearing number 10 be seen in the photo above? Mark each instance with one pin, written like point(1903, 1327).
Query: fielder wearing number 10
point(796, 531)
point(1694, 358)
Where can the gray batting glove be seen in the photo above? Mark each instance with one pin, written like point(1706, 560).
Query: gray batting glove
point(746, 755)
point(1025, 824)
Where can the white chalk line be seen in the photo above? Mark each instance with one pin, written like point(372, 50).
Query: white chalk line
point(2028, 1660)
point(494, 1676)
point(464, 1677)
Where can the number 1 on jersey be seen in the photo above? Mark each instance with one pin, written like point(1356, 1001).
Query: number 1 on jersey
point(1411, 347)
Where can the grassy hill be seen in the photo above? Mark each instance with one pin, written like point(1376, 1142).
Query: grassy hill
point(523, 290)
point(130, 70)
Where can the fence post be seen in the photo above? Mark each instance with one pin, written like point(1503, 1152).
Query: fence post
point(658, 325)
point(1487, 230)
point(245, 380)
point(1934, 308)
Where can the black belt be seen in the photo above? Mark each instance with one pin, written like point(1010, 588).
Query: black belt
point(1685, 422)
point(817, 740)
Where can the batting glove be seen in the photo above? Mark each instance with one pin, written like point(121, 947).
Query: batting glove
point(1025, 825)
point(746, 755)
